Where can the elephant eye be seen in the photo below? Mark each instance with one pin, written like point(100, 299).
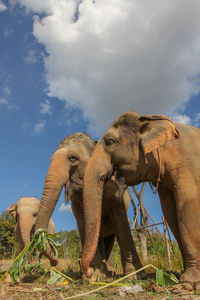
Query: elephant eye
point(109, 141)
point(73, 158)
point(35, 215)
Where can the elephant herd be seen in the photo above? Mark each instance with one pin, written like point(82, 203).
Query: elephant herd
point(135, 149)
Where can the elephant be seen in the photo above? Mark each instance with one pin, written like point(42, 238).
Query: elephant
point(149, 148)
point(25, 211)
point(67, 166)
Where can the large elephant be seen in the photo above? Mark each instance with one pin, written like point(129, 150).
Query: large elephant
point(67, 166)
point(25, 212)
point(153, 149)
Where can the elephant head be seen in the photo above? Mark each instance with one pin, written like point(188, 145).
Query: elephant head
point(25, 212)
point(127, 150)
point(67, 166)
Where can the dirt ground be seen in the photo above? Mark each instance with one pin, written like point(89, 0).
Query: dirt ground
point(41, 291)
point(36, 289)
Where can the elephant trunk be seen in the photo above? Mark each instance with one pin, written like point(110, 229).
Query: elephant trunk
point(56, 177)
point(25, 224)
point(96, 173)
point(49, 199)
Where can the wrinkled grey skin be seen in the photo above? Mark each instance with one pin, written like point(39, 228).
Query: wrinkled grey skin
point(67, 168)
point(151, 148)
point(25, 212)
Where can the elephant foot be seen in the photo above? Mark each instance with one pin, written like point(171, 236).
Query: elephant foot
point(190, 279)
point(141, 275)
point(129, 268)
point(97, 272)
point(190, 275)
point(98, 275)
point(181, 288)
point(95, 276)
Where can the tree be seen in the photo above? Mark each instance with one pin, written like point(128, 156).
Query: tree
point(7, 234)
point(70, 244)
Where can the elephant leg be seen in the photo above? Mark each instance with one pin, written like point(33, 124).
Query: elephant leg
point(169, 209)
point(129, 257)
point(78, 213)
point(108, 242)
point(188, 208)
point(108, 246)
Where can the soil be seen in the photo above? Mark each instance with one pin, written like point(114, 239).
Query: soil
point(33, 288)
point(41, 291)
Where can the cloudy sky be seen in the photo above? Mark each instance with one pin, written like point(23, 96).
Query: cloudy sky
point(68, 66)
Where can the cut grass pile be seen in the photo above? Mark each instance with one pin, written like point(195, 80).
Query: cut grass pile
point(37, 246)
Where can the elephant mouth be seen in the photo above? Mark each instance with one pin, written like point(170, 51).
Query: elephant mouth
point(119, 179)
point(76, 181)
point(74, 185)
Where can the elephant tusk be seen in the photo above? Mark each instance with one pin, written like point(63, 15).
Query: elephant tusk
point(67, 193)
point(67, 185)
point(115, 174)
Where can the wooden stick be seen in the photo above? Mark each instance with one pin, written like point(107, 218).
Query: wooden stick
point(147, 226)
point(153, 221)
point(167, 244)
point(134, 207)
point(136, 217)
point(172, 247)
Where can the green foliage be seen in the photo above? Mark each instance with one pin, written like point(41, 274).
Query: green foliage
point(157, 253)
point(38, 244)
point(156, 245)
point(163, 278)
point(55, 277)
point(7, 236)
point(70, 244)
point(116, 257)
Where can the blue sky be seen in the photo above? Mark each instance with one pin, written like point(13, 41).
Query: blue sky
point(61, 74)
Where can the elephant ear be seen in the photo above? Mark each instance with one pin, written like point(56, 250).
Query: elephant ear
point(12, 210)
point(156, 131)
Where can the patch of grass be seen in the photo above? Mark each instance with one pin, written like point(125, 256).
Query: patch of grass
point(157, 254)
point(116, 259)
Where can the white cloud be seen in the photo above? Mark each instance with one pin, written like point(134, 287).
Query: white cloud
point(39, 127)
point(3, 101)
point(45, 108)
point(7, 104)
point(120, 54)
point(65, 207)
point(197, 120)
point(8, 31)
point(7, 90)
point(31, 57)
point(2, 6)
point(182, 118)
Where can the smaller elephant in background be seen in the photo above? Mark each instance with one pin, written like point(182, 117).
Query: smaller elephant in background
point(25, 211)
